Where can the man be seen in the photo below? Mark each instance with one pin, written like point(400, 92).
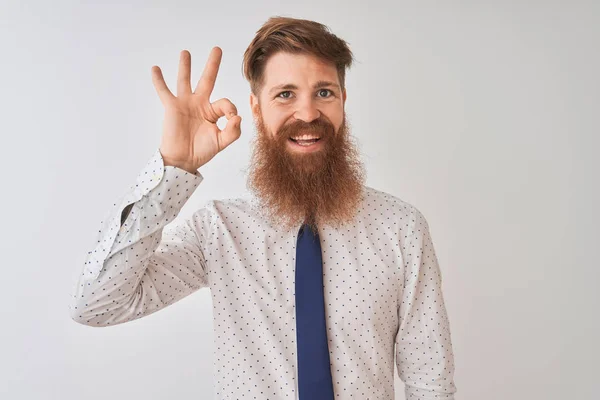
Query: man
point(319, 283)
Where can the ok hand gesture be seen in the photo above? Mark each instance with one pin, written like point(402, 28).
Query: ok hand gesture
point(191, 136)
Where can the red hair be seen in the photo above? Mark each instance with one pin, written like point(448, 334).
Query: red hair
point(294, 36)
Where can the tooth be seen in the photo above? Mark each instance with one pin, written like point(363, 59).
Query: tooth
point(305, 138)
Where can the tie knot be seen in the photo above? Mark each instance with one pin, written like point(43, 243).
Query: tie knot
point(309, 229)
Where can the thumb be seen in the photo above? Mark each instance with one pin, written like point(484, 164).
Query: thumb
point(232, 131)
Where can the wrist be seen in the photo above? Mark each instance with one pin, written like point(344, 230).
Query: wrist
point(186, 168)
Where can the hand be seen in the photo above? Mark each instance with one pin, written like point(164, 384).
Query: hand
point(191, 136)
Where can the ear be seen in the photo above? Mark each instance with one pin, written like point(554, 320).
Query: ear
point(254, 105)
point(344, 96)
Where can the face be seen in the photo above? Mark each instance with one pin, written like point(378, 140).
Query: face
point(300, 89)
point(305, 168)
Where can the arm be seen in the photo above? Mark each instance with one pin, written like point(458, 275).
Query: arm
point(424, 355)
point(140, 264)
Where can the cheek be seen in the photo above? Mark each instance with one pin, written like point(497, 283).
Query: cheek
point(336, 117)
point(276, 121)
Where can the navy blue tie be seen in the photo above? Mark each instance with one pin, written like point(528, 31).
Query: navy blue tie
point(314, 372)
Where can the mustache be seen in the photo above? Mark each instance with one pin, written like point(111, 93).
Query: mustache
point(319, 127)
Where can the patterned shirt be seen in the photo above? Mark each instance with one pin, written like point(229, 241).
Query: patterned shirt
point(382, 288)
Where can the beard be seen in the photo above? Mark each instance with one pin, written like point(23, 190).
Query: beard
point(318, 187)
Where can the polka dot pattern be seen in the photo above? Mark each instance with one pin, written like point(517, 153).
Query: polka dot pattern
point(382, 287)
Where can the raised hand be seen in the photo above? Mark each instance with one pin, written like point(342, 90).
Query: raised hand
point(191, 136)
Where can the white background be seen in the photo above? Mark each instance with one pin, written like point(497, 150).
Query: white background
point(482, 114)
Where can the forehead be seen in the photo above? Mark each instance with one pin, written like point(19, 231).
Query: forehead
point(299, 69)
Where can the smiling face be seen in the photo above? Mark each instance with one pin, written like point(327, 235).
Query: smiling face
point(299, 89)
point(304, 166)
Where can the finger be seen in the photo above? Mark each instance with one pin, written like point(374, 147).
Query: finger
point(231, 133)
point(163, 91)
point(222, 108)
point(206, 83)
point(183, 75)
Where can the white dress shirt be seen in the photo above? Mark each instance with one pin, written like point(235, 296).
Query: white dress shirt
point(382, 288)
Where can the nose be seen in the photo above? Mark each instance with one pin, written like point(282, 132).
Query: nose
point(307, 111)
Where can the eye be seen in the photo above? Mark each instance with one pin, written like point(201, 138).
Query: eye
point(326, 91)
point(286, 93)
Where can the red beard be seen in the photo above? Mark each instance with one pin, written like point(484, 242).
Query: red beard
point(323, 186)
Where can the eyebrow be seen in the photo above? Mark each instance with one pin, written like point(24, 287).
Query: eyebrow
point(291, 86)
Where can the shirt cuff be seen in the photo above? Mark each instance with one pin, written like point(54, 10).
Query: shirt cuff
point(170, 186)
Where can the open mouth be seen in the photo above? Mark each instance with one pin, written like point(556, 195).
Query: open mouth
point(305, 142)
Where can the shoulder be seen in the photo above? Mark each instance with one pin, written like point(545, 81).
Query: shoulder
point(378, 200)
point(393, 208)
point(213, 210)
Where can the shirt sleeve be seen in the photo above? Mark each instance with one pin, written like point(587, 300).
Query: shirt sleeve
point(140, 264)
point(424, 355)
